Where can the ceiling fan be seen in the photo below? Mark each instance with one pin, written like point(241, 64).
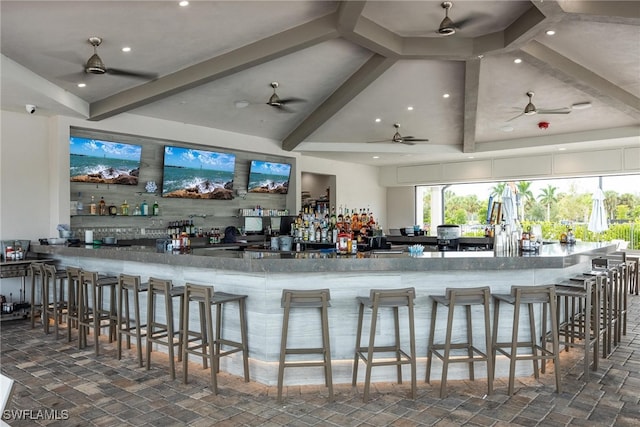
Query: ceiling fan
point(95, 65)
point(447, 26)
point(530, 109)
point(281, 103)
point(397, 138)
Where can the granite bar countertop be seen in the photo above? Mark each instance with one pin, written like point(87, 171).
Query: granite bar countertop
point(550, 256)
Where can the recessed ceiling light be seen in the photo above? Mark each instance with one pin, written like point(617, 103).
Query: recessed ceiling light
point(184, 3)
point(550, 32)
point(480, 56)
point(82, 84)
point(410, 108)
point(561, 149)
point(376, 157)
point(470, 157)
point(517, 60)
point(506, 128)
point(446, 95)
point(581, 106)
point(241, 104)
point(378, 120)
point(126, 49)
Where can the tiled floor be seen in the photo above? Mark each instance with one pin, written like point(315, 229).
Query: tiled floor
point(103, 391)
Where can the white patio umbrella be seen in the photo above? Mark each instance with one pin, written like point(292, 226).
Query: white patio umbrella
point(509, 212)
point(598, 218)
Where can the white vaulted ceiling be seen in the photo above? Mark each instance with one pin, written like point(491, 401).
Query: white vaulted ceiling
point(352, 61)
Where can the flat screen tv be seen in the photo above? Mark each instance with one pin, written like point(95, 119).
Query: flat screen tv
point(197, 174)
point(103, 162)
point(269, 177)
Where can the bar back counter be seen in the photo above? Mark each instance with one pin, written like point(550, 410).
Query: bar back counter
point(262, 275)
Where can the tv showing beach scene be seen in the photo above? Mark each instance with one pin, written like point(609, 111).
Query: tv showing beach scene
point(103, 162)
point(268, 177)
point(197, 174)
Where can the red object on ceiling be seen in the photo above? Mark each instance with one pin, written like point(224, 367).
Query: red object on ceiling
point(543, 125)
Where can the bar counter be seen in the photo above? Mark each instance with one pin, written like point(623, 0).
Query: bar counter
point(263, 274)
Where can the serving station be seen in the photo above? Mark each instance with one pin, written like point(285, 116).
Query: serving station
point(263, 274)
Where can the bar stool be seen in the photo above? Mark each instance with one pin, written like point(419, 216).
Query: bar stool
point(53, 302)
point(300, 299)
point(95, 316)
point(394, 299)
point(73, 289)
point(36, 270)
point(127, 326)
point(528, 295)
point(465, 297)
point(164, 333)
point(206, 342)
point(580, 324)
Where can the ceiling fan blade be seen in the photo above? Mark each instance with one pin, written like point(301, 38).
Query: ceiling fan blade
point(135, 74)
point(413, 139)
point(557, 111)
point(459, 23)
point(291, 100)
point(513, 118)
point(281, 108)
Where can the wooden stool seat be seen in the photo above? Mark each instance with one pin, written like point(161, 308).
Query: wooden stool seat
point(94, 316)
point(305, 299)
point(53, 302)
point(73, 289)
point(528, 295)
point(164, 333)
point(36, 271)
point(580, 322)
point(380, 299)
point(127, 326)
point(465, 297)
point(207, 342)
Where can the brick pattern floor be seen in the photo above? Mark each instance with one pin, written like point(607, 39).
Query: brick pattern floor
point(103, 391)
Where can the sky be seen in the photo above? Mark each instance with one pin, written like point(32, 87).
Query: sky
point(195, 159)
point(97, 148)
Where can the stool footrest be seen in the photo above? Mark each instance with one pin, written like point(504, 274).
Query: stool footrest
point(305, 351)
point(479, 356)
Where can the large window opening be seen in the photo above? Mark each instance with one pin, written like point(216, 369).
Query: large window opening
point(554, 204)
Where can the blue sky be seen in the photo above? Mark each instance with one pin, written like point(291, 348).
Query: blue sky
point(268, 168)
point(97, 148)
point(190, 158)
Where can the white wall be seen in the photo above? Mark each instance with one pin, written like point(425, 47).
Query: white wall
point(25, 179)
point(35, 164)
point(401, 202)
point(356, 185)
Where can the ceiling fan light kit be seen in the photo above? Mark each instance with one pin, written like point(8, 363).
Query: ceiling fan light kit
point(447, 27)
point(281, 103)
point(399, 139)
point(94, 64)
point(530, 109)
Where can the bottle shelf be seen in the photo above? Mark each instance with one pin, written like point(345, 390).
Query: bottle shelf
point(115, 216)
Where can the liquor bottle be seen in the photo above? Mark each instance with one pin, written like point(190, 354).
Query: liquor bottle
point(102, 207)
point(144, 208)
point(156, 209)
point(124, 208)
point(93, 209)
